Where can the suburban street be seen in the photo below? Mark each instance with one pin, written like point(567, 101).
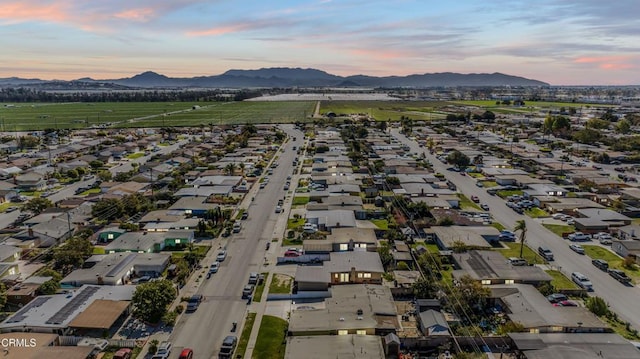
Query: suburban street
point(204, 330)
point(621, 299)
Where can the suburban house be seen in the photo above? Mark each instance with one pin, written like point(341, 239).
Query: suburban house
point(524, 304)
point(447, 237)
point(55, 313)
point(334, 346)
point(46, 346)
point(30, 181)
point(627, 249)
point(362, 309)
point(148, 242)
point(631, 231)
point(433, 323)
point(344, 239)
point(109, 233)
point(355, 267)
point(326, 220)
point(117, 268)
point(573, 345)
point(490, 267)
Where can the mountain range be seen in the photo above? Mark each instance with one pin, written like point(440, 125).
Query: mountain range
point(281, 77)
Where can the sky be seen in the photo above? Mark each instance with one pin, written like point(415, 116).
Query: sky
point(562, 42)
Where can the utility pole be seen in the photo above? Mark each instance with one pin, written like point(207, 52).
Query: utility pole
point(69, 221)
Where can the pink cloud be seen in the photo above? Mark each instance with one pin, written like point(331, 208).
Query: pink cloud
point(608, 62)
point(217, 31)
point(24, 11)
point(141, 14)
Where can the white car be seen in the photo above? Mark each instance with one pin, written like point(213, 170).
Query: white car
point(214, 267)
point(604, 238)
point(577, 248)
point(278, 209)
point(579, 236)
point(222, 255)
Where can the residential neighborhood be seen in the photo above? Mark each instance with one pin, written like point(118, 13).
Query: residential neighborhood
point(345, 237)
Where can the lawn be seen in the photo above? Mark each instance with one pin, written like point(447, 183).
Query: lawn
point(293, 223)
point(536, 212)
point(240, 213)
point(91, 191)
point(381, 223)
point(559, 229)
point(498, 226)
point(246, 333)
point(271, 338)
point(513, 250)
point(80, 115)
point(280, 284)
point(615, 261)
point(466, 203)
point(257, 295)
point(300, 200)
point(560, 281)
point(507, 193)
point(133, 156)
point(489, 184)
point(383, 110)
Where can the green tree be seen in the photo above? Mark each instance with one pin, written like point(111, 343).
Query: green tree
point(384, 250)
point(72, 253)
point(423, 288)
point(48, 272)
point(105, 175)
point(561, 125)
point(521, 226)
point(108, 209)
point(49, 287)
point(597, 306)
point(95, 164)
point(150, 300)
point(458, 159)
point(510, 327)
point(38, 205)
point(623, 126)
point(3, 295)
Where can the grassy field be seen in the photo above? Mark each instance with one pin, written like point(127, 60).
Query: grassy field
point(381, 223)
point(615, 261)
point(536, 212)
point(466, 203)
point(384, 110)
point(280, 284)
point(270, 343)
point(559, 229)
point(246, 333)
point(150, 114)
point(560, 281)
point(491, 104)
point(513, 250)
point(300, 200)
point(257, 295)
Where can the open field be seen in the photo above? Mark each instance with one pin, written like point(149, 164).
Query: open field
point(491, 104)
point(384, 110)
point(22, 117)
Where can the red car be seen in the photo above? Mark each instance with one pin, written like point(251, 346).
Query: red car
point(565, 303)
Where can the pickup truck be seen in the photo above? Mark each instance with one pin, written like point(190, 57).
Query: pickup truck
point(619, 275)
point(579, 236)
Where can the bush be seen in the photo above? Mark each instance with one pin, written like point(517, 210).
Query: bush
point(169, 318)
point(402, 266)
point(597, 306)
point(153, 346)
point(629, 262)
point(179, 308)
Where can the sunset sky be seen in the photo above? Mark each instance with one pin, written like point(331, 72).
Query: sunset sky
point(563, 42)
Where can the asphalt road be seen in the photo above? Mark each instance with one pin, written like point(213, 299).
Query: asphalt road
point(204, 330)
point(621, 299)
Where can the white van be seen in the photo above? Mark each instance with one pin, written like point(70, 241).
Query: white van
point(582, 281)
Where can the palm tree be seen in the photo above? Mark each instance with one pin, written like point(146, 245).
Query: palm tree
point(230, 168)
point(521, 226)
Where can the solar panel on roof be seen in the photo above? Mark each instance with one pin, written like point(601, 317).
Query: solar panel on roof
point(72, 305)
point(20, 315)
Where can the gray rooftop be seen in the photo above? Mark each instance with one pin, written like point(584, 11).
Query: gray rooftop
point(334, 346)
point(114, 267)
point(526, 305)
point(574, 346)
point(57, 311)
point(493, 265)
point(360, 260)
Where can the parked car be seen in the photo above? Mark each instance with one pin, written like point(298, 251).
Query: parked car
point(603, 238)
point(557, 297)
point(124, 353)
point(475, 199)
point(577, 248)
point(579, 236)
point(164, 348)
point(228, 346)
point(517, 261)
point(565, 303)
point(222, 255)
point(11, 209)
point(247, 291)
point(582, 281)
point(484, 206)
point(278, 209)
point(546, 253)
point(620, 276)
point(186, 353)
point(244, 216)
point(214, 267)
point(600, 263)
point(507, 236)
point(253, 278)
point(291, 253)
point(194, 302)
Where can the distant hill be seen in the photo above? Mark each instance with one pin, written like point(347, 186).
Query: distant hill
point(294, 77)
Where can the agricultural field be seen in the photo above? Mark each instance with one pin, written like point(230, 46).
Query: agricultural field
point(384, 110)
point(23, 117)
